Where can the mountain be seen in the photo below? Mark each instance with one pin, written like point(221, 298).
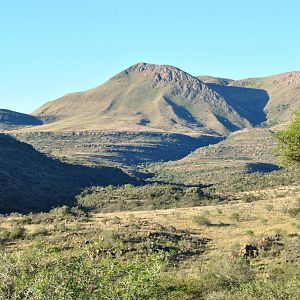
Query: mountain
point(31, 181)
point(216, 80)
point(283, 95)
point(12, 120)
point(145, 97)
point(267, 100)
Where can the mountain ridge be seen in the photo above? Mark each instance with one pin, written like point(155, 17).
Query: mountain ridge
point(145, 97)
point(164, 98)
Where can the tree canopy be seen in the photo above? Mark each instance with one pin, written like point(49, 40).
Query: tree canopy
point(288, 148)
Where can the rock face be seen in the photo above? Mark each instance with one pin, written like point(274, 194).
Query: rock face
point(145, 97)
point(163, 74)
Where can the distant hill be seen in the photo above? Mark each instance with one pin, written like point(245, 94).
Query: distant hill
point(151, 113)
point(244, 151)
point(283, 92)
point(31, 181)
point(217, 80)
point(118, 148)
point(12, 120)
point(267, 101)
point(145, 97)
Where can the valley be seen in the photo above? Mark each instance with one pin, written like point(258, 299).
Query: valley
point(153, 185)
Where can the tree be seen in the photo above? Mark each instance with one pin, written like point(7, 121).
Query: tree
point(288, 148)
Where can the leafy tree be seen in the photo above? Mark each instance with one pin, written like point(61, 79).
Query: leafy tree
point(288, 148)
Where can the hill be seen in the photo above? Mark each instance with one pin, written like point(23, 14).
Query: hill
point(31, 181)
point(145, 97)
point(117, 148)
point(10, 120)
point(216, 80)
point(150, 113)
point(283, 93)
point(243, 152)
point(267, 101)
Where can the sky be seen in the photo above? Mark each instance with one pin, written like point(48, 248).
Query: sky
point(52, 47)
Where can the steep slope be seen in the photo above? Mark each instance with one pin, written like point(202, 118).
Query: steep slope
point(31, 181)
point(250, 103)
point(10, 120)
point(145, 97)
point(283, 92)
point(269, 100)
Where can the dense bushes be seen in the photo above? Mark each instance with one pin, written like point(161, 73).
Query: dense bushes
point(235, 279)
point(48, 274)
point(41, 275)
point(151, 196)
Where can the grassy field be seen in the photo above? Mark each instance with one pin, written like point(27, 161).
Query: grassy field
point(196, 240)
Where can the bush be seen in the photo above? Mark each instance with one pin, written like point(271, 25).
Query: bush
point(248, 198)
point(147, 197)
point(269, 207)
point(38, 274)
point(235, 217)
point(17, 232)
point(294, 212)
point(202, 220)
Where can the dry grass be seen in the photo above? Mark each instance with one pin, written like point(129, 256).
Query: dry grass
point(266, 216)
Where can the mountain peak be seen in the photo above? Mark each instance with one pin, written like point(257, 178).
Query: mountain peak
point(161, 74)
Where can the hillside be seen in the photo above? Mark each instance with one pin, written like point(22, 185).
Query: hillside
point(216, 80)
point(152, 113)
point(117, 148)
point(267, 100)
point(283, 92)
point(31, 181)
point(10, 120)
point(244, 151)
point(145, 97)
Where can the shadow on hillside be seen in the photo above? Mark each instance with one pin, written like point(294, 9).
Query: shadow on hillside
point(183, 113)
point(227, 124)
point(170, 148)
point(262, 167)
point(31, 181)
point(11, 118)
point(248, 102)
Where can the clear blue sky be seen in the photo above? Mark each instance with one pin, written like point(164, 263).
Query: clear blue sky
point(52, 47)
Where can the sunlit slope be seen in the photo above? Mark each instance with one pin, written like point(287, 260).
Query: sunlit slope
point(145, 97)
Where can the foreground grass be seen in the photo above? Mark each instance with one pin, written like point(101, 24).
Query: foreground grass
point(182, 253)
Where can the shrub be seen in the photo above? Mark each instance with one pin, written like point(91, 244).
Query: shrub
point(231, 271)
point(202, 220)
point(235, 216)
point(249, 232)
point(17, 232)
point(150, 196)
point(248, 198)
point(269, 207)
point(38, 274)
point(294, 212)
